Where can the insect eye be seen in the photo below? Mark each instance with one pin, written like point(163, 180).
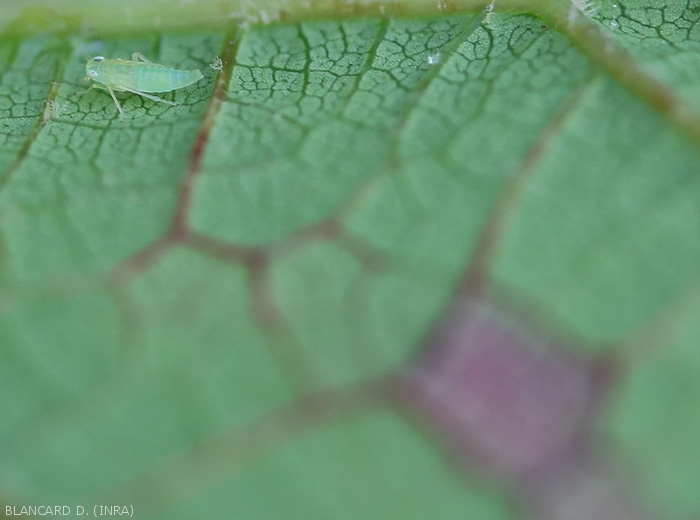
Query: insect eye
point(98, 58)
point(92, 73)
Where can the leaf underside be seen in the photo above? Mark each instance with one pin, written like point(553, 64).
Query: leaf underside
point(369, 267)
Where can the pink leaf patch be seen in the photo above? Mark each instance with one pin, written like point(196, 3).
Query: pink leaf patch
point(502, 397)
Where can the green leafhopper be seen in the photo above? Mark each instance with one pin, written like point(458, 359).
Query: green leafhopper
point(138, 76)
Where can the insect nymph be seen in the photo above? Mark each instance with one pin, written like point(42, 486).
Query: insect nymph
point(138, 76)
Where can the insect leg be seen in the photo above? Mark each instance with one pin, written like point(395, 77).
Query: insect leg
point(149, 96)
point(119, 107)
point(138, 56)
point(88, 90)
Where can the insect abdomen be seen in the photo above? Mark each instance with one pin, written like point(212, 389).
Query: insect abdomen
point(165, 79)
point(146, 77)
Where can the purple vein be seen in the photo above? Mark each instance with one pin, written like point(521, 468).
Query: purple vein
point(178, 231)
point(179, 226)
point(185, 474)
point(478, 269)
point(599, 46)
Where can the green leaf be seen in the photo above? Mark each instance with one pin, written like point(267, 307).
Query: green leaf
point(384, 261)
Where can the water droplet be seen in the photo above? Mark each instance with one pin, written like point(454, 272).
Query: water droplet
point(614, 24)
point(432, 59)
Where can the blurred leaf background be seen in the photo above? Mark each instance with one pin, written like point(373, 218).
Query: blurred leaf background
point(406, 260)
